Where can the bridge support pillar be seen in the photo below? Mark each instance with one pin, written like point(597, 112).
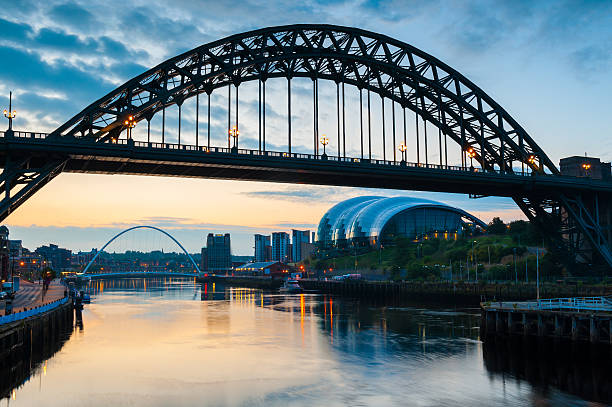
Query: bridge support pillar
point(574, 329)
point(593, 330)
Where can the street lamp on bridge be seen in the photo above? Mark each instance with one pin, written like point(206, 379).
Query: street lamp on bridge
point(234, 132)
point(129, 123)
point(471, 153)
point(586, 167)
point(532, 159)
point(402, 147)
point(325, 141)
point(10, 113)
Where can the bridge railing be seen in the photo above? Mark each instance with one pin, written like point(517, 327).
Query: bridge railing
point(28, 134)
point(304, 156)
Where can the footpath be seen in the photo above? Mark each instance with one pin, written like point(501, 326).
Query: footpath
point(32, 295)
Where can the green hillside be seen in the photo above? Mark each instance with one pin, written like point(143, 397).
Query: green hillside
point(493, 254)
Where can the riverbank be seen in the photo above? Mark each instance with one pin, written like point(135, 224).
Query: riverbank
point(470, 294)
point(460, 293)
point(26, 342)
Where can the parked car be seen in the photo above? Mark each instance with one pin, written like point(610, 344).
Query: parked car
point(8, 289)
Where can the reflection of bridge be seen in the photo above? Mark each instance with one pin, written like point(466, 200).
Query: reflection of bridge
point(139, 274)
point(494, 154)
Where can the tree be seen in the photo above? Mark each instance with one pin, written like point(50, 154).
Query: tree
point(497, 226)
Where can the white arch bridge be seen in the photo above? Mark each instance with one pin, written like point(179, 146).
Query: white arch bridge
point(195, 265)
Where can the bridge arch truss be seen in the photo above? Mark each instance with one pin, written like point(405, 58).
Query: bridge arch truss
point(437, 94)
point(376, 63)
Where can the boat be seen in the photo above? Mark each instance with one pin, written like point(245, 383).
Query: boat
point(291, 287)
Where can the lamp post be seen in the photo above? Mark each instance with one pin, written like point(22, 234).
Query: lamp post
point(129, 123)
point(402, 147)
point(234, 132)
point(515, 272)
point(474, 261)
point(538, 274)
point(532, 159)
point(471, 153)
point(586, 167)
point(10, 113)
point(325, 141)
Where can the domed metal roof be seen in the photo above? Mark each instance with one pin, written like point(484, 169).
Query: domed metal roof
point(367, 216)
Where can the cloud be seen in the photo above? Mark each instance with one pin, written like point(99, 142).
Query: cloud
point(592, 60)
point(293, 225)
point(72, 14)
point(297, 194)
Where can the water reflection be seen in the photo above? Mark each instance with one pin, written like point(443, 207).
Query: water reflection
point(579, 369)
point(174, 342)
point(27, 358)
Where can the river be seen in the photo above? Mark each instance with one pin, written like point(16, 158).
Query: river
point(172, 342)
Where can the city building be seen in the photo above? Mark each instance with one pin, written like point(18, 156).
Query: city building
point(204, 261)
point(15, 248)
point(4, 253)
point(268, 268)
point(83, 258)
point(375, 220)
point(29, 265)
point(57, 258)
point(262, 243)
point(298, 237)
point(218, 253)
point(307, 249)
point(281, 250)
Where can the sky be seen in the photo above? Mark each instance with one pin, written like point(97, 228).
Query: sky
point(547, 63)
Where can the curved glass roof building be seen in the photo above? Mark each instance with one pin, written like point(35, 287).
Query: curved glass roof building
point(375, 219)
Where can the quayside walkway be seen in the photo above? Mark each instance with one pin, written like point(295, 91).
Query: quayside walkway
point(31, 295)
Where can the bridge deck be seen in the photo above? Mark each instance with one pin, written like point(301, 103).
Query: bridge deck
point(142, 158)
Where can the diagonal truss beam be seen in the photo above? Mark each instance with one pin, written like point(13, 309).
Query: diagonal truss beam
point(20, 180)
point(393, 69)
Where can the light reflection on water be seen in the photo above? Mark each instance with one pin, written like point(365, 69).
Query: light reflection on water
point(173, 342)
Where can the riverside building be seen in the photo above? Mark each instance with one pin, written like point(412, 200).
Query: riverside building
point(376, 220)
point(217, 257)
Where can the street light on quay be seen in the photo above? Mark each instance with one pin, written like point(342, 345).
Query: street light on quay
point(325, 141)
point(475, 263)
point(10, 113)
point(129, 123)
point(402, 147)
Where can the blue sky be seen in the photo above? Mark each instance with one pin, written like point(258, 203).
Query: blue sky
point(547, 62)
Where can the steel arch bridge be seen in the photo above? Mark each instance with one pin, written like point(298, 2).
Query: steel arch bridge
point(141, 227)
point(573, 212)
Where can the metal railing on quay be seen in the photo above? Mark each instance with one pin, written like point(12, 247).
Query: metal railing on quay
point(578, 304)
point(18, 316)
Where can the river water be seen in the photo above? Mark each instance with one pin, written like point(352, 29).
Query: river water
point(172, 342)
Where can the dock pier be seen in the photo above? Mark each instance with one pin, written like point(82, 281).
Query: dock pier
point(587, 319)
